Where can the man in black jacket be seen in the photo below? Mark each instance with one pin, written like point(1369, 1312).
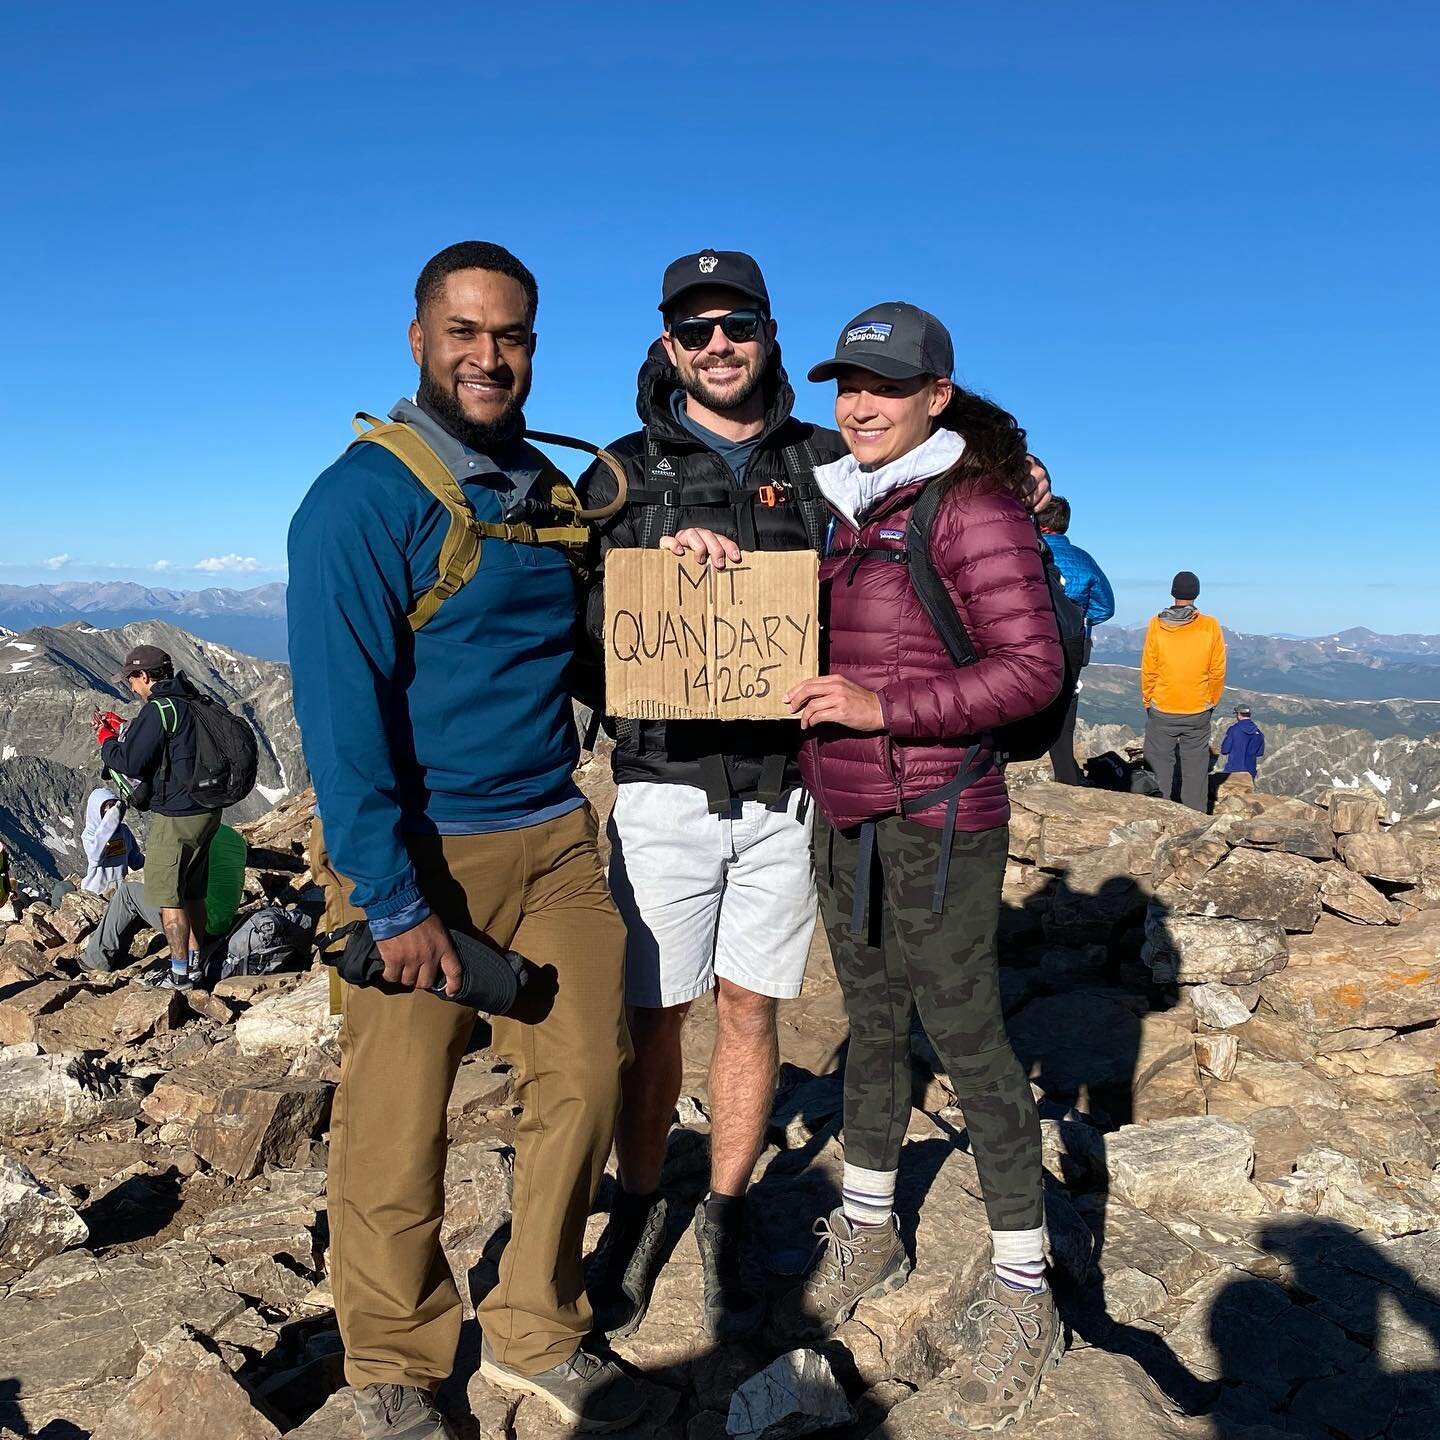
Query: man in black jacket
point(710, 862)
point(157, 748)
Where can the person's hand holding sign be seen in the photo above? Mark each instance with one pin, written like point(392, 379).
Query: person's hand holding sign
point(717, 549)
point(834, 700)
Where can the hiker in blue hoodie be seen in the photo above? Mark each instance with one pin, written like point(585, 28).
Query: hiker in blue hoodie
point(1086, 585)
point(1244, 743)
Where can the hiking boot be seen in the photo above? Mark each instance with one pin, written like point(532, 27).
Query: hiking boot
point(170, 980)
point(1020, 1339)
point(855, 1263)
point(734, 1302)
point(591, 1393)
point(400, 1412)
point(623, 1271)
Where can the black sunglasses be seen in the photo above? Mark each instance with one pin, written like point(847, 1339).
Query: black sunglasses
point(739, 326)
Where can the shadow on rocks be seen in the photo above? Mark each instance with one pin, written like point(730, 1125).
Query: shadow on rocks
point(1108, 1047)
point(12, 1422)
point(1341, 1342)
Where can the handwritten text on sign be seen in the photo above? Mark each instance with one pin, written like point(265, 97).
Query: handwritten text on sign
point(684, 641)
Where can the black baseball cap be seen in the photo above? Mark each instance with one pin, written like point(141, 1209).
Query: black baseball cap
point(146, 658)
point(730, 269)
point(896, 340)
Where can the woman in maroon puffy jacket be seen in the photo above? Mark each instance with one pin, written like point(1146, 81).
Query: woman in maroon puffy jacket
point(911, 856)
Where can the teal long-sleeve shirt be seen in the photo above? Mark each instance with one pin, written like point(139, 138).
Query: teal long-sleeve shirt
point(461, 728)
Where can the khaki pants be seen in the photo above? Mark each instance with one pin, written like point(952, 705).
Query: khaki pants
point(539, 891)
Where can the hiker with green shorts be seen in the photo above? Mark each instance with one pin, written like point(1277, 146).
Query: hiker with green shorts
point(157, 749)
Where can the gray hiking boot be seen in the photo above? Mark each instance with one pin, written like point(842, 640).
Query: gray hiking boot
point(590, 1393)
point(1020, 1339)
point(734, 1300)
point(623, 1272)
point(400, 1412)
point(854, 1263)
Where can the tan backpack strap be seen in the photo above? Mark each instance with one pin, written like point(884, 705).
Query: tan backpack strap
point(460, 550)
point(622, 485)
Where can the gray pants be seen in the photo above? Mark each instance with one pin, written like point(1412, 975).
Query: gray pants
point(1179, 746)
point(126, 912)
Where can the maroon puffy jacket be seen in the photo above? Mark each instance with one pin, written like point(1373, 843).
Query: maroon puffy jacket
point(986, 549)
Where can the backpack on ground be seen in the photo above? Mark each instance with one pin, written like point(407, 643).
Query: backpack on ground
point(227, 757)
point(1108, 771)
point(271, 939)
point(1035, 735)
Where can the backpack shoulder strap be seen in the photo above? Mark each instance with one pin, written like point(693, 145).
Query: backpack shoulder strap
point(564, 497)
point(169, 714)
point(460, 550)
point(936, 600)
point(800, 462)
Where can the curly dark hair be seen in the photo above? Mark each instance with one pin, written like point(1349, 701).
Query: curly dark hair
point(473, 255)
point(995, 457)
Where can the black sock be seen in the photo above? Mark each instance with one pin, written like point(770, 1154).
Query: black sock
point(629, 1211)
point(725, 1210)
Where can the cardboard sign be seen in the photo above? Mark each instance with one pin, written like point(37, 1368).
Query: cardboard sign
point(685, 641)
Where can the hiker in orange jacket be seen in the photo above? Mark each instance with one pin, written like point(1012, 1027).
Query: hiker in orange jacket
point(1182, 675)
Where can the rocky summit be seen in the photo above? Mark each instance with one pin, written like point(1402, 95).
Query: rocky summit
point(51, 682)
point(1232, 1024)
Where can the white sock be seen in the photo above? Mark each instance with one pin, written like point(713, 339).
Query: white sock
point(1019, 1258)
point(868, 1196)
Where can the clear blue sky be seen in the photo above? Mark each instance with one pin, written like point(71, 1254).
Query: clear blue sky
point(1192, 247)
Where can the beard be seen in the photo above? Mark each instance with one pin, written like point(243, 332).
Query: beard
point(483, 435)
point(694, 383)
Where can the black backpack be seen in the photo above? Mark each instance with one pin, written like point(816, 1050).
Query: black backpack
point(226, 755)
point(1108, 772)
point(1032, 737)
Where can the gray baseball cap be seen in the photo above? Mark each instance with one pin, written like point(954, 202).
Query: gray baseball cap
point(896, 340)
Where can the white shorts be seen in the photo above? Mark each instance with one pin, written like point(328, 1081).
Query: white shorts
point(707, 896)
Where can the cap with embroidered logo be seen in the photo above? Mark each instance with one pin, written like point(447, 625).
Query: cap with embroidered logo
point(896, 340)
point(143, 660)
point(724, 269)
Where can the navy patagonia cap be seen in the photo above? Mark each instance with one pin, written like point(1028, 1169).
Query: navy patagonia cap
point(896, 340)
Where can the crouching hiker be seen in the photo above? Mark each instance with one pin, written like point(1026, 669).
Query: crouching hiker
point(109, 946)
point(910, 854)
point(433, 617)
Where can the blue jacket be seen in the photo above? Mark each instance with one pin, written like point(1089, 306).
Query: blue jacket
point(1243, 745)
point(461, 728)
point(1085, 581)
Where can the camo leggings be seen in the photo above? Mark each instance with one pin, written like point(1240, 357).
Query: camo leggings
point(946, 967)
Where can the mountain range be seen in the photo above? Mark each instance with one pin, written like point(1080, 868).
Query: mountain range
point(250, 620)
point(1356, 664)
point(1385, 738)
point(1352, 665)
point(52, 679)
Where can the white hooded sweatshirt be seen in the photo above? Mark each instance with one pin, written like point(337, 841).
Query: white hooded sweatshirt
point(110, 848)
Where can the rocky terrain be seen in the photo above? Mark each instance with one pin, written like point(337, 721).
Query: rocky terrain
point(1231, 1025)
point(51, 680)
point(1306, 761)
point(1112, 694)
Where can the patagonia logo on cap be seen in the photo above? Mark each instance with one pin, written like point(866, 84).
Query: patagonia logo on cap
point(875, 333)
